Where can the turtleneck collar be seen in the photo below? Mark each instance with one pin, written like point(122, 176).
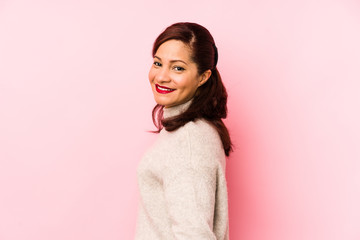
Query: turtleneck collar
point(176, 110)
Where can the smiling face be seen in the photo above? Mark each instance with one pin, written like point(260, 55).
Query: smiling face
point(174, 76)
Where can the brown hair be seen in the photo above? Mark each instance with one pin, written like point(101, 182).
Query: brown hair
point(210, 98)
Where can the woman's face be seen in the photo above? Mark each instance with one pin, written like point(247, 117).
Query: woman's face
point(174, 76)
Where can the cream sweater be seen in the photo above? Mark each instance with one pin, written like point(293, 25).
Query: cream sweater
point(181, 178)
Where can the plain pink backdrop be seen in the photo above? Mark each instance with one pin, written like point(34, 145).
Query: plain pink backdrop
point(75, 105)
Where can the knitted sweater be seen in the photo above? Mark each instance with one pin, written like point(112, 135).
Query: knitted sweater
point(181, 178)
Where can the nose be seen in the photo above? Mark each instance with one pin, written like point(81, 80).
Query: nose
point(162, 75)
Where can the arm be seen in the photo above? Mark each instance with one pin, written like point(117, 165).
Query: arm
point(190, 202)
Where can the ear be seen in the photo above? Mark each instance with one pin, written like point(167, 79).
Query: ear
point(204, 77)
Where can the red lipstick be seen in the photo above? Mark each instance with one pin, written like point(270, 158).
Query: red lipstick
point(163, 90)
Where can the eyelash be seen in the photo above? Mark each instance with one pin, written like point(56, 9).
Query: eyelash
point(180, 69)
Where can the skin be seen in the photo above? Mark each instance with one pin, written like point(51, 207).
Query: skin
point(174, 69)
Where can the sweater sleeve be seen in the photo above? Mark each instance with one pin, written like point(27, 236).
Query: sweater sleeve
point(190, 201)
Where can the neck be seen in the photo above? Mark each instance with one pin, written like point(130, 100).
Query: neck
point(176, 110)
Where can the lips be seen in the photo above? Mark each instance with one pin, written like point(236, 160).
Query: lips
point(163, 89)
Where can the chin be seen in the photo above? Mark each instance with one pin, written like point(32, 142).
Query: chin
point(162, 102)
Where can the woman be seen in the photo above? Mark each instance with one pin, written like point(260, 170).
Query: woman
point(181, 178)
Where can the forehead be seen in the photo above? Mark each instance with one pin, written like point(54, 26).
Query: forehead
point(174, 49)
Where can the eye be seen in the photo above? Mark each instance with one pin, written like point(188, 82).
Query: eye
point(157, 64)
point(179, 69)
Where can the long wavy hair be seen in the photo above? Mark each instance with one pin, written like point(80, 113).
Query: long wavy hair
point(210, 99)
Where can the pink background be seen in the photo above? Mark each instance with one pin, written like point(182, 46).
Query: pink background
point(75, 105)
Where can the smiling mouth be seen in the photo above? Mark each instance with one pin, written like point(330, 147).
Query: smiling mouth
point(163, 90)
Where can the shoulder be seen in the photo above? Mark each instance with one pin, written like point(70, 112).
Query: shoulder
point(195, 144)
point(204, 142)
point(202, 132)
point(199, 130)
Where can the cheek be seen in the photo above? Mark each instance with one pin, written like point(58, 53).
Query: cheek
point(151, 75)
point(188, 85)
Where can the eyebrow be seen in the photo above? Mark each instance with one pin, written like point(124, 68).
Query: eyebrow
point(177, 60)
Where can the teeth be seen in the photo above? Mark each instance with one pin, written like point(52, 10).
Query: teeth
point(164, 89)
